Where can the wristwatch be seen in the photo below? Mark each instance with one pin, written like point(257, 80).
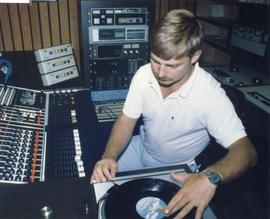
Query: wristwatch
point(213, 177)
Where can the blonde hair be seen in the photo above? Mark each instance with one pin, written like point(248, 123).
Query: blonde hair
point(176, 35)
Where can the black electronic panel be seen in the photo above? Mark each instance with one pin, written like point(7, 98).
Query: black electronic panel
point(250, 37)
point(115, 41)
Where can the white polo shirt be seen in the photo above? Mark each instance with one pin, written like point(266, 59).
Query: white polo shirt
point(176, 129)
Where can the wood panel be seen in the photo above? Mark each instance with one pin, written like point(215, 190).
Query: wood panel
point(35, 26)
point(74, 30)
point(55, 28)
point(64, 21)
point(26, 27)
point(15, 26)
point(181, 4)
point(1, 40)
point(45, 25)
point(157, 10)
point(164, 7)
point(172, 4)
point(6, 28)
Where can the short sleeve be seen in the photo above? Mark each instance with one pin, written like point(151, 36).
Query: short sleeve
point(222, 121)
point(134, 101)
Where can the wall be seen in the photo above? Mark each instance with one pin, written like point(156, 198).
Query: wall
point(26, 27)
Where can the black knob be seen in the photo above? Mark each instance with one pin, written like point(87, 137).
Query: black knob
point(240, 84)
point(231, 80)
point(234, 68)
point(257, 80)
point(213, 68)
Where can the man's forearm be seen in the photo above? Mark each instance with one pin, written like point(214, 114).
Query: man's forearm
point(120, 136)
point(241, 156)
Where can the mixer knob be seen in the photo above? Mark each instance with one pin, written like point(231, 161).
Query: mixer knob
point(240, 84)
point(17, 178)
point(12, 171)
point(213, 68)
point(257, 80)
point(20, 166)
point(234, 68)
point(231, 80)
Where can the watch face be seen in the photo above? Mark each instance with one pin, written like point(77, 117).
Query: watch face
point(214, 178)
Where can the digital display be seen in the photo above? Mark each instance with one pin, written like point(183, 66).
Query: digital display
point(129, 20)
point(109, 67)
point(109, 51)
point(136, 34)
point(111, 34)
point(135, 19)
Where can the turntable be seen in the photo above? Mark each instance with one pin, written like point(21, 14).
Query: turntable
point(141, 194)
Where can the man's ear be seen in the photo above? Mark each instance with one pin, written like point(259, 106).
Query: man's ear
point(196, 56)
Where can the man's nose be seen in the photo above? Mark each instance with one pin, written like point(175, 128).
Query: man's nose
point(162, 71)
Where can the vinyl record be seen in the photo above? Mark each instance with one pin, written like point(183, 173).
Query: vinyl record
point(140, 199)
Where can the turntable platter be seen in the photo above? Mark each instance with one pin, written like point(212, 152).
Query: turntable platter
point(140, 199)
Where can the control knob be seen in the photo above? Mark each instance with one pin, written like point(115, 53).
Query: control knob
point(257, 80)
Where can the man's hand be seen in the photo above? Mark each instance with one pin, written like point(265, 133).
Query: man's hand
point(196, 192)
point(104, 170)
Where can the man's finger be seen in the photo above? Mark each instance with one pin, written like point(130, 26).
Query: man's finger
point(99, 175)
point(199, 212)
point(185, 210)
point(175, 204)
point(181, 177)
point(108, 174)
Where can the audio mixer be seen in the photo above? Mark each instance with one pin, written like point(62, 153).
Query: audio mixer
point(238, 75)
point(44, 134)
point(22, 136)
point(249, 81)
point(259, 96)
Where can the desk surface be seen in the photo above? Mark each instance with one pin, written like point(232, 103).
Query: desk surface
point(67, 198)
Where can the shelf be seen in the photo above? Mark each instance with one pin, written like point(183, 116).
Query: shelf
point(223, 22)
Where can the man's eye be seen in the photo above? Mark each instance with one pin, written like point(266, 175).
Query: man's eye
point(156, 62)
point(173, 66)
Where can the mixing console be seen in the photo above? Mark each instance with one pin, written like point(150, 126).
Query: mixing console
point(252, 83)
point(66, 120)
point(43, 135)
point(22, 137)
point(238, 76)
point(259, 96)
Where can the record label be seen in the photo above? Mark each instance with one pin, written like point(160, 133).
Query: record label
point(151, 208)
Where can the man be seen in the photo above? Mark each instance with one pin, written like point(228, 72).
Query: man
point(181, 106)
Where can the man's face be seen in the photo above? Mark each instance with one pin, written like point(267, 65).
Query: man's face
point(171, 72)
